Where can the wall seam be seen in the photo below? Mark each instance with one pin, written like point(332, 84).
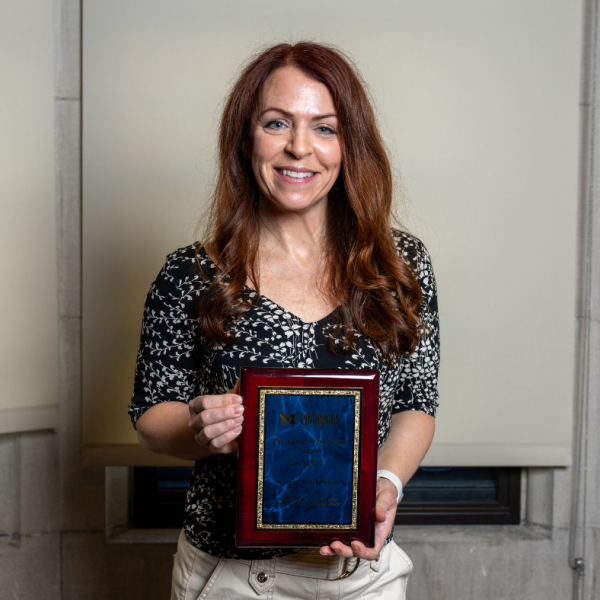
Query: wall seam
point(584, 318)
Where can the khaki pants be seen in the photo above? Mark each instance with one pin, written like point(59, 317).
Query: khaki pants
point(301, 576)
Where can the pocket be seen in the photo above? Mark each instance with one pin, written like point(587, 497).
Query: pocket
point(404, 564)
point(194, 571)
point(206, 577)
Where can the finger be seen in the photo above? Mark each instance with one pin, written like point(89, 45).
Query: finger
point(219, 442)
point(211, 432)
point(382, 531)
point(229, 448)
point(380, 514)
point(326, 550)
point(385, 503)
point(342, 550)
point(211, 422)
point(385, 519)
point(206, 435)
point(220, 400)
point(211, 416)
point(214, 401)
point(380, 537)
point(361, 551)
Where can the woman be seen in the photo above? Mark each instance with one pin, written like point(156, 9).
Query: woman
point(300, 269)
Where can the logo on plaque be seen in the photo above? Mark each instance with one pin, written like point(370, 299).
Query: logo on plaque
point(285, 419)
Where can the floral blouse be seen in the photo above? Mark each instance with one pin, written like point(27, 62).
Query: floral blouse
point(176, 363)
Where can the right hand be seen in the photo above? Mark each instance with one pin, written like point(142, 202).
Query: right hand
point(216, 421)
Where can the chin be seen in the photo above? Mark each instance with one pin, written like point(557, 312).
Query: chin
point(295, 205)
point(295, 201)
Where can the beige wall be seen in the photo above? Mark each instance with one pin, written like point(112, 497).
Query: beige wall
point(52, 511)
point(28, 342)
point(478, 102)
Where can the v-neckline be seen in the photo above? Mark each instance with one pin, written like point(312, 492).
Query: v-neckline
point(264, 299)
point(289, 312)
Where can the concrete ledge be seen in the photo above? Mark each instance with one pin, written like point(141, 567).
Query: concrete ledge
point(29, 418)
point(498, 455)
point(144, 536)
point(428, 534)
point(439, 455)
point(425, 534)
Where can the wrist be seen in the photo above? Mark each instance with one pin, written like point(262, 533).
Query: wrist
point(385, 474)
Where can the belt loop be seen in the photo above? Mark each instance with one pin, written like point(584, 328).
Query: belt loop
point(376, 563)
point(262, 575)
point(350, 566)
point(340, 567)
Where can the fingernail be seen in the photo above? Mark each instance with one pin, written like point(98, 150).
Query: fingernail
point(238, 410)
point(238, 420)
point(239, 399)
point(238, 430)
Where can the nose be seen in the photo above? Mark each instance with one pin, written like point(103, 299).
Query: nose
point(299, 145)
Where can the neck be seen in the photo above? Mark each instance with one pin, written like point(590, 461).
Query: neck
point(300, 234)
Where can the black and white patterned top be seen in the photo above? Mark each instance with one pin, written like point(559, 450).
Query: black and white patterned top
point(175, 363)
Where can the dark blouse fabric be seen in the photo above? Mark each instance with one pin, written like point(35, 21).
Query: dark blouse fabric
point(176, 363)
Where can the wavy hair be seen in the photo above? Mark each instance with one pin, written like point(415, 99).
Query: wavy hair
point(377, 291)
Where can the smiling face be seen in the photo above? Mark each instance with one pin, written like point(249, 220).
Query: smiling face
point(296, 153)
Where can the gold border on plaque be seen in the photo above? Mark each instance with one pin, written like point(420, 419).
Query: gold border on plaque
point(262, 398)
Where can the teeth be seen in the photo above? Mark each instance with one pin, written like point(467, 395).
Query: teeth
point(296, 174)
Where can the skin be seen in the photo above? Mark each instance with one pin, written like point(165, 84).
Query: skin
point(295, 128)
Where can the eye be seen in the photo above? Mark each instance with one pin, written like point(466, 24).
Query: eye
point(276, 125)
point(326, 130)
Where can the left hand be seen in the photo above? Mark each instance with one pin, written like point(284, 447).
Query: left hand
point(385, 512)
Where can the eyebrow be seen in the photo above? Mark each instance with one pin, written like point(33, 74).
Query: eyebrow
point(291, 116)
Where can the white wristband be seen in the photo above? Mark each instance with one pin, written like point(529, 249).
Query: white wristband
point(394, 479)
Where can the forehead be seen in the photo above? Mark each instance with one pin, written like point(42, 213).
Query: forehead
point(290, 89)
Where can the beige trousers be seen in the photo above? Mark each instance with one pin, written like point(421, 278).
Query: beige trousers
point(301, 576)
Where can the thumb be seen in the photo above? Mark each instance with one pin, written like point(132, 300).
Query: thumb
point(384, 503)
point(236, 387)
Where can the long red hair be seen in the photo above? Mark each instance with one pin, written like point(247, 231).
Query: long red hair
point(377, 291)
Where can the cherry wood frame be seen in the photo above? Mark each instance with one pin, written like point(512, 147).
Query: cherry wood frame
point(254, 378)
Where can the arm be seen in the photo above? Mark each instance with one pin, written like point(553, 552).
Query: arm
point(412, 424)
point(410, 436)
point(170, 419)
point(164, 429)
point(411, 433)
point(208, 425)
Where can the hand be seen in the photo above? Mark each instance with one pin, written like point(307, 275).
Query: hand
point(216, 421)
point(385, 512)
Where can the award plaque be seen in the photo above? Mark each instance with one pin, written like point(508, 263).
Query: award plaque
point(307, 457)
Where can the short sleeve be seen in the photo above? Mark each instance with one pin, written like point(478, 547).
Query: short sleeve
point(167, 368)
point(417, 382)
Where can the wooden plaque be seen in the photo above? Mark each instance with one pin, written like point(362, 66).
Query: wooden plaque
point(307, 457)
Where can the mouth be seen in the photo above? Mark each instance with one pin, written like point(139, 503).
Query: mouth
point(295, 175)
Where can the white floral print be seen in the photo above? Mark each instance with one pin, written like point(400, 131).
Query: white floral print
point(176, 363)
